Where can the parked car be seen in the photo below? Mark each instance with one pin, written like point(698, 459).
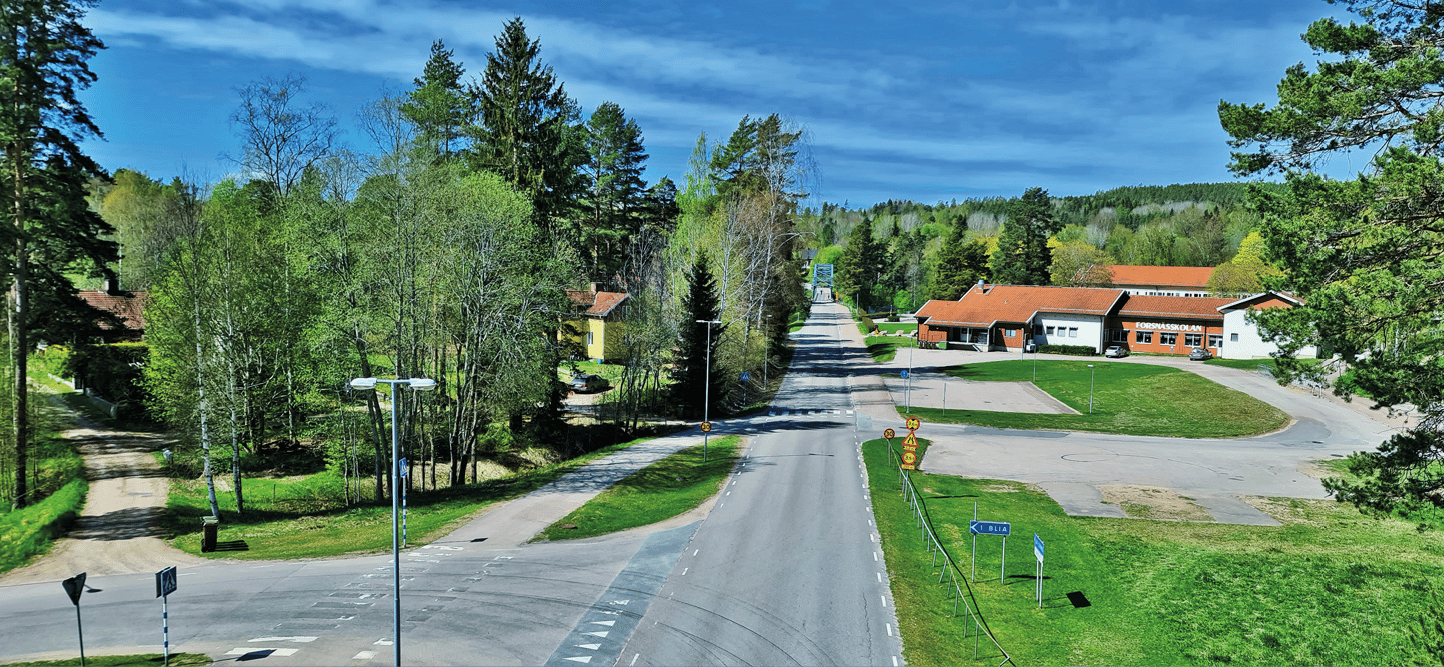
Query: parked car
point(585, 383)
point(1199, 354)
point(1116, 352)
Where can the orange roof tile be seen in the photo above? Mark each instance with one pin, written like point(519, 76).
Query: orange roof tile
point(1185, 307)
point(1161, 276)
point(986, 304)
point(128, 306)
point(597, 304)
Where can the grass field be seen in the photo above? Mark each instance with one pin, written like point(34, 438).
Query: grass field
point(672, 486)
point(884, 348)
point(1328, 587)
point(307, 520)
point(1130, 399)
point(181, 659)
point(894, 327)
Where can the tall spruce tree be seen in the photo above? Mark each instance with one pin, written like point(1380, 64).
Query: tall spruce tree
point(1023, 257)
point(689, 373)
point(43, 54)
point(960, 264)
point(527, 130)
point(861, 264)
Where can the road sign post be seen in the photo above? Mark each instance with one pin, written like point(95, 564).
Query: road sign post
point(74, 586)
point(1038, 553)
point(977, 528)
point(165, 584)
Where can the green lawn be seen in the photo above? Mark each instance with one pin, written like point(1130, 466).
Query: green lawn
point(121, 660)
point(1329, 587)
point(884, 348)
point(306, 519)
point(894, 327)
point(1129, 399)
point(667, 488)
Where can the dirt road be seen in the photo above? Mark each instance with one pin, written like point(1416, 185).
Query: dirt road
point(118, 529)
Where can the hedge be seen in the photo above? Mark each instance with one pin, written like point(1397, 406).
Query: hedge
point(1080, 350)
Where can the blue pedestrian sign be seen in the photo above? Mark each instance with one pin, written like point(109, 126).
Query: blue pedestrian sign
point(1038, 547)
point(401, 465)
point(904, 375)
point(990, 528)
point(746, 376)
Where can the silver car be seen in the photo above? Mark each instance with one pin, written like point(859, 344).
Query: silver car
point(1116, 352)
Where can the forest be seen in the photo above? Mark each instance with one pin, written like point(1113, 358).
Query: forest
point(899, 254)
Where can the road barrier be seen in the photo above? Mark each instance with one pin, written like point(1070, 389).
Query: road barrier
point(959, 588)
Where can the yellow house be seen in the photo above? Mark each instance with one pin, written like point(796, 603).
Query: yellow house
point(599, 329)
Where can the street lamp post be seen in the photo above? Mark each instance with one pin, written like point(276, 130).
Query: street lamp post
point(1092, 372)
point(910, 379)
point(416, 384)
point(707, 385)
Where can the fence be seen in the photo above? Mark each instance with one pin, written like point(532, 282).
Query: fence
point(959, 588)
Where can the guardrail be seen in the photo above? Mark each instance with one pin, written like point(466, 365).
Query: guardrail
point(959, 588)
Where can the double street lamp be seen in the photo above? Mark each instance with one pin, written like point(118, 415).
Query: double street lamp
point(416, 384)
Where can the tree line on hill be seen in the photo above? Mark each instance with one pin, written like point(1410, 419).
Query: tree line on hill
point(898, 254)
point(453, 249)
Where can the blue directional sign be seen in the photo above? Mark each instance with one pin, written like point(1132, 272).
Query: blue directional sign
point(990, 528)
point(403, 467)
point(904, 375)
point(1038, 547)
point(746, 376)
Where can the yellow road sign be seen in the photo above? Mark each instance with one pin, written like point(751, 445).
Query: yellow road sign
point(913, 423)
point(911, 440)
point(706, 426)
point(889, 434)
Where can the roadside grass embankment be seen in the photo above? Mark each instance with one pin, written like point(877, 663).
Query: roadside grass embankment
point(670, 487)
point(57, 479)
point(884, 348)
point(1127, 399)
point(306, 517)
point(1328, 587)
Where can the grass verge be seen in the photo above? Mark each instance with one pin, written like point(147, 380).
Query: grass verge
point(305, 519)
point(884, 348)
point(894, 327)
point(57, 478)
point(1328, 587)
point(1128, 399)
point(121, 660)
point(674, 485)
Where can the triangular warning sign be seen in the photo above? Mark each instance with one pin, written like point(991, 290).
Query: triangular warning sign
point(911, 440)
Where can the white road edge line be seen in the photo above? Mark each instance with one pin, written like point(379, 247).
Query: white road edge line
point(889, 629)
point(634, 658)
point(884, 600)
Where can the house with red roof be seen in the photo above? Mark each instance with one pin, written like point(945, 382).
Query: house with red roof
point(127, 307)
point(1013, 317)
point(598, 323)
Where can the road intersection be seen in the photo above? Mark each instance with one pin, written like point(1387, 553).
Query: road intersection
point(782, 567)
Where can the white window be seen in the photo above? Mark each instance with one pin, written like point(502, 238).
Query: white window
point(1009, 333)
point(1167, 338)
point(1072, 332)
point(1049, 331)
point(1215, 341)
point(1145, 337)
point(1233, 338)
point(589, 338)
point(1193, 340)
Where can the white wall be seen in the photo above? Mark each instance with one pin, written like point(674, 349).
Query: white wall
point(1249, 344)
point(1090, 330)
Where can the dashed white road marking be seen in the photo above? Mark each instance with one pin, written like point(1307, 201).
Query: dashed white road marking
point(382, 642)
point(606, 623)
point(582, 659)
point(889, 629)
point(364, 655)
point(694, 551)
point(894, 661)
point(879, 577)
point(874, 556)
point(599, 633)
point(589, 647)
point(294, 640)
point(684, 571)
point(884, 600)
point(634, 658)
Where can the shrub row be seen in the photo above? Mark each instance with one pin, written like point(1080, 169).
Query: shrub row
point(1080, 350)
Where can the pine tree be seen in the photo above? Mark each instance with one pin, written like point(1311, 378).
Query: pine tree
point(960, 264)
point(689, 373)
point(861, 264)
point(439, 107)
point(43, 54)
point(616, 196)
point(1023, 256)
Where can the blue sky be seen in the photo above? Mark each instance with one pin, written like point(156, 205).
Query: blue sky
point(928, 101)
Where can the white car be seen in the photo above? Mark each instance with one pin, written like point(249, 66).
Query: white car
point(1116, 352)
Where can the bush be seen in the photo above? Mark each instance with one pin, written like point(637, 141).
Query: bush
point(1081, 350)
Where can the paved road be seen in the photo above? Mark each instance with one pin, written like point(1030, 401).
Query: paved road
point(787, 569)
